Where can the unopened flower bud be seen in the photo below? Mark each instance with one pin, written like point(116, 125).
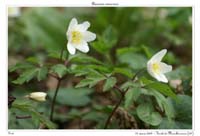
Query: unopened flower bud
point(38, 96)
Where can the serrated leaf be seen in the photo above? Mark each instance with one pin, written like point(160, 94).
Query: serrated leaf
point(83, 83)
point(26, 76)
point(59, 69)
point(91, 80)
point(110, 82)
point(20, 66)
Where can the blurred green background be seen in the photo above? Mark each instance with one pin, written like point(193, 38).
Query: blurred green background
point(133, 36)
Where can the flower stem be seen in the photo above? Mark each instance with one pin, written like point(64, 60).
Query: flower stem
point(113, 111)
point(54, 99)
point(57, 89)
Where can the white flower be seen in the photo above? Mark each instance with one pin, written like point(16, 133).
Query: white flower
point(78, 36)
point(38, 96)
point(14, 11)
point(156, 68)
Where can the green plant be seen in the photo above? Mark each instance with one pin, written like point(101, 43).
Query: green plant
point(131, 78)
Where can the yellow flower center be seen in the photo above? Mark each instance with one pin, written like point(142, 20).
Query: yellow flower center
point(76, 37)
point(156, 68)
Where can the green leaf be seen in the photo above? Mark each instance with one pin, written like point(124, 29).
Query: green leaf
point(29, 74)
point(163, 102)
point(42, 73)
point(82, 70)
point(31, 110)
point(59, 69)
point(145, 113)
point(110, 82)
point(83, 83)
point(130, 84)
point(124, 71)
point(183, 114)
point(21, 66)
point(72, 96)
point(145, 81)
point(91, 80)
point(163, 88)
point(14, 123)
point(131, 95)
point(26, 76)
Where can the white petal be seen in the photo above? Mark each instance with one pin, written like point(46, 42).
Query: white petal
point(89, 36)
point(158, 56)
point(149, 69)
point(82, 47)
point(73, 23)
point(161, 77)
point(164, 68)
point(71, 48)
point(84, 26)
